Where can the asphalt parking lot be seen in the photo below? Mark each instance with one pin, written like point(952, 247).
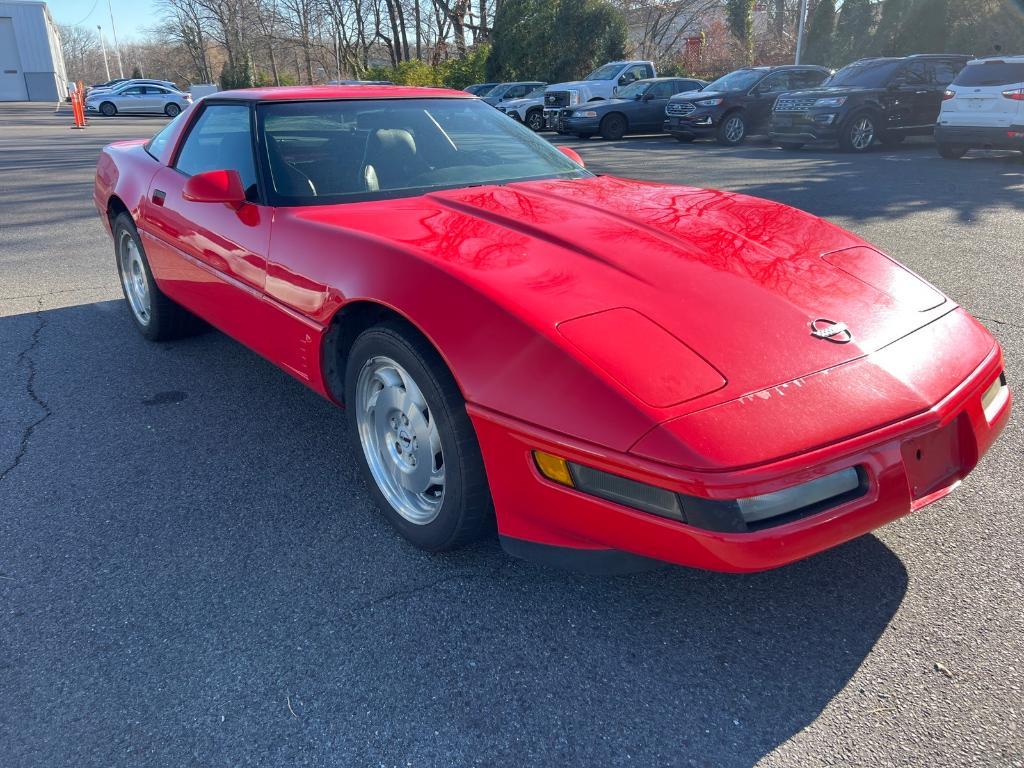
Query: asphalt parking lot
point(192, 574)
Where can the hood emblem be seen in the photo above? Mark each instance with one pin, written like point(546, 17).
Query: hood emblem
point(830, 330)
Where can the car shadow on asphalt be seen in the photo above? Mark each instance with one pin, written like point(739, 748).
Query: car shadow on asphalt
point(187, 540)
point(828, 182)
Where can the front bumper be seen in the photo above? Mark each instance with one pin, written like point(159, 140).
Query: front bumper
point(807, 127)
point(579, 124)
point(975, 137)
point(532, 510)
point(700, 123)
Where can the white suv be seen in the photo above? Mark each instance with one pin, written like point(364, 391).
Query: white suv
point(983, 108)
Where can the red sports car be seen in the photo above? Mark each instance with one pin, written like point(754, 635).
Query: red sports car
point(615, 370)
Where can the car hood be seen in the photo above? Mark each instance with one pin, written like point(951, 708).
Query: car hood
point(690, 95)
point(516, 103)
point(738, 280)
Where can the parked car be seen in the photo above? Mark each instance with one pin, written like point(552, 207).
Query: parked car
point(603, 83)
point(508, 91)
point(638, 108)
point(494, 296)
point(983, 108)
point(360, 82)
point(198, 90)
point(885, 99)
point(135, 81)
point(109, 83)
point(138, 99)
point(480, 89)
point(528, 110)
point(736, 105)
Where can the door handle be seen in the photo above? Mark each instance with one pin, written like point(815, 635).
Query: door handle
point(159, 196)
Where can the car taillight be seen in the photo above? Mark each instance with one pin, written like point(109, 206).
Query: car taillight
point(1017, 94)
point(948, 95)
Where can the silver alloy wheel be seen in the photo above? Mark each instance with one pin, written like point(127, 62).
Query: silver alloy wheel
point(400, 440)
point(133, 277)
point(734, 128)
point(862, 134)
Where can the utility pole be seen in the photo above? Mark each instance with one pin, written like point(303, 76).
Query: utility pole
point(103, 45)
point(117, 50)
point(800, 31)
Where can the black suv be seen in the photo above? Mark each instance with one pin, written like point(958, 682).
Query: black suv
point(885, 98)
point(737, 104)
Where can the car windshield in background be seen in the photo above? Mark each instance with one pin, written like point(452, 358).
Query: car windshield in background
point(606, 72)
point(322, 152)
point(739, 80)
point(536, 93)
point(991, 73)
point(634, 90)
point(865, 74)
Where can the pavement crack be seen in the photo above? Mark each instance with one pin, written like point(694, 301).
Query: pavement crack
point(25, 357)
point(997, 321)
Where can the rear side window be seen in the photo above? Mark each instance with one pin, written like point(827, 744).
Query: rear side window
point(220, 140)
point(991, 73)
point(806, 78)
point(945, 71)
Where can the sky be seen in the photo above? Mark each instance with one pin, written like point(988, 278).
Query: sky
point(131, 17)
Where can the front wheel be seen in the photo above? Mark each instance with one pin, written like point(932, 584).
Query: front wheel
point(172, 110)
point(858, 134)
point(419, 452)
point(107, 109)
point(613, 127)
point(156, 316)
point(732, 130)
point(535, 120)
point(951, 151)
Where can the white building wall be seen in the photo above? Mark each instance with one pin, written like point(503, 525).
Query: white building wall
point(42, 60)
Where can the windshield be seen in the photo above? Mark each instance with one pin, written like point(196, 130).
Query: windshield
point(606, 72)
point(633, 90)
point(324, 152)
point(536, 93)
point(498, 90)
point(865, 74)
point(991, 73)
point(739, 80)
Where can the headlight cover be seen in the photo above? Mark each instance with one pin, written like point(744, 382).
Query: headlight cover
point(574, 97)
point(713, 102)
point(585, 113)
point(831, 101)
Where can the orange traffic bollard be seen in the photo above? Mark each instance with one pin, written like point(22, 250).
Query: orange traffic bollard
point(78, 106)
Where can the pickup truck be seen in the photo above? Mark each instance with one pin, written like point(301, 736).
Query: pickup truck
point(601, 84)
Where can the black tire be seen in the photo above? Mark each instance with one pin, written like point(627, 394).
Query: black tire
point(951, 151)
point(107, 109)
point(584, 136)
point(732, 130)
point(891, 139)
point(535, 120)
point(466, 503)
point(859, 132)
point(685, 139)
point(791, 146)
point(614, 126)
point(172, 110)
point(166, 320)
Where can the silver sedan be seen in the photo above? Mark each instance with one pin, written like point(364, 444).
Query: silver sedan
point(138, 99)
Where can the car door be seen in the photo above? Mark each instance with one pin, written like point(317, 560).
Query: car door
point(129, 100)
point(212, 257)
point(651, 108)
point(909, 97)
point(762, 99)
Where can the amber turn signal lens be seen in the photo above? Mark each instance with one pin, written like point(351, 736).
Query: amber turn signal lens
point(553, 468)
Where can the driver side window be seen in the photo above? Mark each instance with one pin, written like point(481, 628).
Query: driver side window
point(776, 83)
point(219, 140)
point(914, 74)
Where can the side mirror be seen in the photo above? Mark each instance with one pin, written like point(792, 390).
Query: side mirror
point(573, 155)
point(215, 187)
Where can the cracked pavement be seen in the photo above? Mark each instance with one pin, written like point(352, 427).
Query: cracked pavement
point(192, 574)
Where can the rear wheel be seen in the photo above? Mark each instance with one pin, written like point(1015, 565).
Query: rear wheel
point(613, 127)
point(584, 136)
point(951, 151)
point(535, 120)
point(732, 130)
point(172, 110)
point(790, 145)
point(859, 133)
point(419, 452)
point(156, 316)
point(107, 109)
